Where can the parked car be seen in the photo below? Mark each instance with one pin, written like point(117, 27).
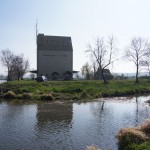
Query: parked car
point(41, 79)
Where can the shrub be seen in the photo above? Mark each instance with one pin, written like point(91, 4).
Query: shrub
point(48, 97)
point(9, 95)
point(129, 136)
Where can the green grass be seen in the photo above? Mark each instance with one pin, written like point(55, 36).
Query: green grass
point(76, 90)
point(143, 146)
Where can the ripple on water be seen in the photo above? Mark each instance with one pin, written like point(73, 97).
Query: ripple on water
point(68, 126)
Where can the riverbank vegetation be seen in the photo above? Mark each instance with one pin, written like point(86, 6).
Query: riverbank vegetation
point(71, 90)
point(137, 138)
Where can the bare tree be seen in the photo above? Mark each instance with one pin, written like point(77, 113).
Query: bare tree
point(6, 59)
point(94, 66)
point(136, 52)
point(19, 66)
point(32, 75)
point(103, 53)
point(86, 71)
point(16, 65)
point(146, 64)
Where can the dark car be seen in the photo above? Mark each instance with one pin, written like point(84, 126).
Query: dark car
point(41, 79)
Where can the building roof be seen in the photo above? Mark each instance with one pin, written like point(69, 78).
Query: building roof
point(45, 42)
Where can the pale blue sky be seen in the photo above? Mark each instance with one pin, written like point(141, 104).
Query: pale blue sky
point(83, 20)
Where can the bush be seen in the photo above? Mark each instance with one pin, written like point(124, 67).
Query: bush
point(130, 136)
point(48, 97)
point(9, 95)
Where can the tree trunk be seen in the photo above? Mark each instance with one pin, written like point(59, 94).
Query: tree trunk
point(137, 72)
point(8, 78)
point(103, 77)
point(18, 76)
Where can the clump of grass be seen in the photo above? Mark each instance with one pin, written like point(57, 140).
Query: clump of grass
point(27, 96)
point(143, 146)
point(145, 127)
point(39, 92)
point(130, 136)
point(106, 94)
point(75, 97)
point(84, 95)
point(98, 95)
point(92, 148)
point(48, 97)
point(9, 95)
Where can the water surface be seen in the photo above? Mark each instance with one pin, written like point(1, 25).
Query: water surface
point(50, 126)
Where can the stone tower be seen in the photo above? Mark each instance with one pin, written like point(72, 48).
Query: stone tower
point(54, 57)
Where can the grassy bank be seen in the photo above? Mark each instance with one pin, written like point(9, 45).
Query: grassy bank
point(71, 90)
point(137, 138)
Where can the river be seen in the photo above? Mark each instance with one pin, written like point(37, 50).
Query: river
point(68, 126)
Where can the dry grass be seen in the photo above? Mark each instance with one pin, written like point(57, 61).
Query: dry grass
point(48, 97)
point(131, 135)
point(145, 127)
point(92, 148)
point(136, 135)
point(9, 95)
point(27, 95)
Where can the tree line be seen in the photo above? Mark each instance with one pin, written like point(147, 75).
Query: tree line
point(104, 52)
point(16, 65)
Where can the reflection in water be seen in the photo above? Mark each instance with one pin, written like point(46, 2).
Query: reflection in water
point(100, 126)
point(137, 111)
point(59, 126)
point(16, 125)
point(54, 112)
point(53, 125)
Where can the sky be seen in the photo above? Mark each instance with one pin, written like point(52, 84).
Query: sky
point(83, 20)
